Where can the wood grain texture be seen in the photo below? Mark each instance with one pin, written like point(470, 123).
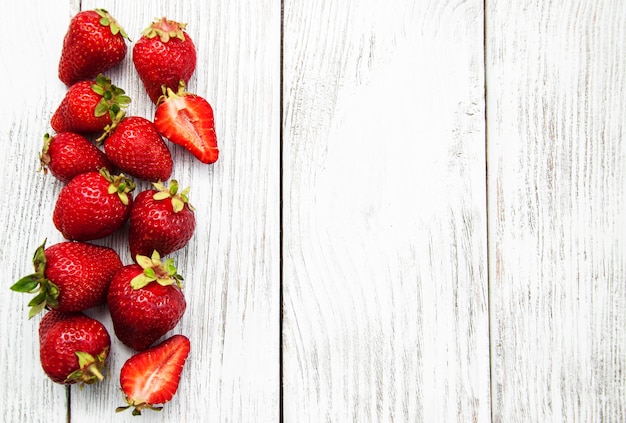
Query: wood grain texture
point(385, 278)
point(556, 83)
point(27, 395)
point(231, 265)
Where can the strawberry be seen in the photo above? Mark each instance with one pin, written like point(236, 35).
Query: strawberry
point(135, 147)
point(69, 276)
point(89, 106)
point(145, 301)
point(93, 205)
point(152, 377)
point(73, 348)
point(69, 154)
point(161, 219)
point(164, 55)
point(187, 119)
point(93, 44)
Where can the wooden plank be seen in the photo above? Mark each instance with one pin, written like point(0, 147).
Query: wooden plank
point(556, 85)
point(231, 266)
point(385, 278)
point(30, 90)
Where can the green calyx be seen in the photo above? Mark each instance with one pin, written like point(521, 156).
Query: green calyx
point(113, 100)
point(108, 130)
point(154, 270)
point(44, 157)
point(169, 93)
point(138, 408)
point(178, 199)
point(47, 293)
point(90, 368)
point(107, 20)
point(119, 184)
point(165, 29)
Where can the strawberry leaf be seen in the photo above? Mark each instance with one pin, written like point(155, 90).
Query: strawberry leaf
point(27, 284)
point(139, 281)
point(177, 204)
point(143, 261)
point(161, 195)
point(38, 299)
point(36, 310)
point(37, 283)
point(102, 108)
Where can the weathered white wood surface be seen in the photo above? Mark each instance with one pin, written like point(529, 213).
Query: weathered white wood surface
point(556, 84)
point(385, 277)
point(443, 256)
point(29, 55)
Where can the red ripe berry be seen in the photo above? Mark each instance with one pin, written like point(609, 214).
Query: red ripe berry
point(187, 120)
point(135, 147)
point(73, 348)
point(93, 205)
point(145, 301)
point(69, 154)
point(164, 55)
point(93, 44)
point(89, 106)
point(160, 219)
point(69, 276)
point(152, 376)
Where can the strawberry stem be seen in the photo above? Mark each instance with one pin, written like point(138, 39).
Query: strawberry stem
point(89, 367)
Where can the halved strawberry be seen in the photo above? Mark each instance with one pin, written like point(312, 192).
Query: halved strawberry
point(187, 120)
point(152, 376)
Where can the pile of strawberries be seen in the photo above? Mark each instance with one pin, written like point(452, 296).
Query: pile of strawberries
point(95, 152)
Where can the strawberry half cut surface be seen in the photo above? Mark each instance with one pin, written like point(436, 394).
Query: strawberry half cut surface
point(187, 120)
point(152, 376)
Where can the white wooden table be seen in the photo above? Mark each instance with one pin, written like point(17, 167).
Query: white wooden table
point(417, 215)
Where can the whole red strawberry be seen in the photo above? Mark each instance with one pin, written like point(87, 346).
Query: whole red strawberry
point(164, 55)
point(187, 120)
point(152, 377)
point(69, 276)
point(160, 219)
point(89, 106)
point(136, 148)
point(69, 154)
point(93, 205)
point(73, 348)
point(145, 301)
point(93, 44)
